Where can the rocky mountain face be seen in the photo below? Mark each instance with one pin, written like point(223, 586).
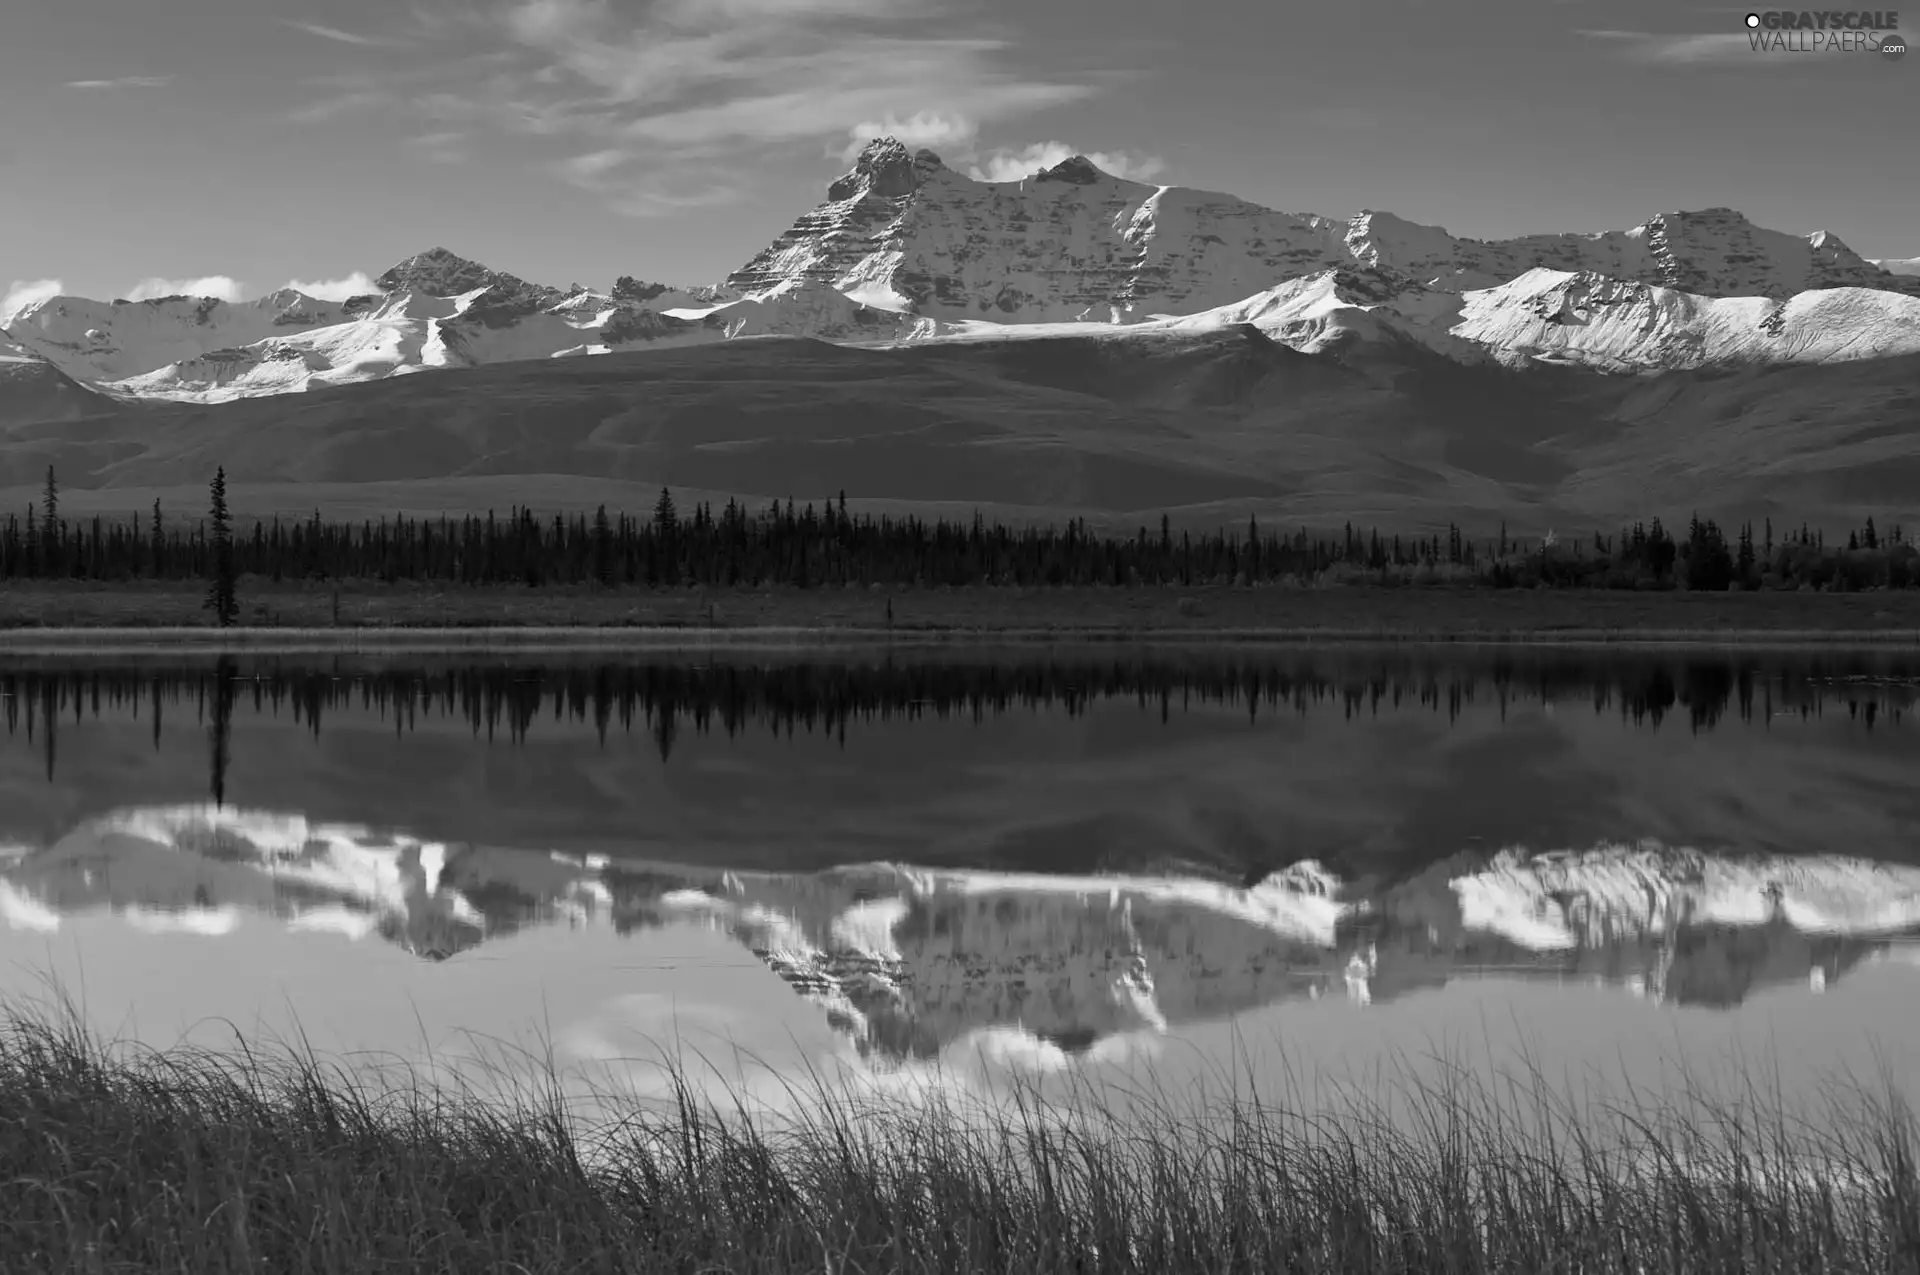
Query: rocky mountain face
point(907, 962)
point(1073, 243)
point(905, 249)
point(439, 273)
point(1068, 244)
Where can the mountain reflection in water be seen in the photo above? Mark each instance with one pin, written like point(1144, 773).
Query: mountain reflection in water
point(1075, 846)
point(904, 962)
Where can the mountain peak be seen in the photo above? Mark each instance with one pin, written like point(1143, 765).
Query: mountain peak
point(436, 272)
point(886, 168)
point(1077, 169)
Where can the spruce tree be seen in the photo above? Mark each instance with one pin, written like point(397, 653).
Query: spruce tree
point(602, 548)
point(220, 598)
point(50, 526)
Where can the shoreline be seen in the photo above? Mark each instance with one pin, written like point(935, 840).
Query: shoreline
point(168, 616)
point(87, 640)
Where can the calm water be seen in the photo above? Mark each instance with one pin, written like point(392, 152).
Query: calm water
point(1069, 863)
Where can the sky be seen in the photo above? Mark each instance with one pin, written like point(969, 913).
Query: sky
point(236, 146)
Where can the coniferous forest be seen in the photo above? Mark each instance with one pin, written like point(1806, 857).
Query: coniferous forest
point(814, 546)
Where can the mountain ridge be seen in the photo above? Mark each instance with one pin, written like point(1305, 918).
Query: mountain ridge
point(905, 248)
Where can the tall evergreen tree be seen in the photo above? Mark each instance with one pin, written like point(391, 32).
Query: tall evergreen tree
point(221, 598)
point(50, 526)
point(602, 548)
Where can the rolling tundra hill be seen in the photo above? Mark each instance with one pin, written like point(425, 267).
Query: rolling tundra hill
point(33, 391)
point(1202, 424)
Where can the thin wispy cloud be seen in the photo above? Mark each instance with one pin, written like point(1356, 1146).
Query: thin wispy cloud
point(1009, 165)
point(339, 104)
point(1716, 48)
point(225, 287)
point(124, 82)
point(639, 191)
point(340, 36)
point(445, 147)
point(686, 86)
point(680, 103)
point(585, 170)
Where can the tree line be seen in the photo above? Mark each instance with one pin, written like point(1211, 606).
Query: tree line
point(826, 546)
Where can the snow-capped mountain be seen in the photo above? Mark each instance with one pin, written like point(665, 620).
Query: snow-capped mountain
point(1072, 242)
point(412, 332)
point(1560, 317)
point(1610, 325)
point(906, 249)
point(1907, 266)
point(102, 342)
point(441, 311)
point(907, 961)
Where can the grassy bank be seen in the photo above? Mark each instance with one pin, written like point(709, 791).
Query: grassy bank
point(117, 1162)
point(1352, 612)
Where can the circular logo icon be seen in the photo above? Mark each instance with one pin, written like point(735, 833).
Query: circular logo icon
point(1893, 46)
point(1753, 19)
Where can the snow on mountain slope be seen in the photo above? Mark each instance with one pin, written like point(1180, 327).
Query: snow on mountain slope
point(1713, 252)
point(96, 341)
point(438, 310)
point(1330, 310)
point(1611, 325)
point(1549, 316)
point(806, 308)
point(1908, 266)
point(412, 332)
point(498, 323)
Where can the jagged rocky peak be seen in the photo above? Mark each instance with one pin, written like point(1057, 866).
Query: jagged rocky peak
point(887, 169)
point(666, 296)
point(628, 288)
point(440, 273)
point(1076, 169)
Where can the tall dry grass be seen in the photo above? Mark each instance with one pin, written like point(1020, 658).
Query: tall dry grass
point(117, 1159)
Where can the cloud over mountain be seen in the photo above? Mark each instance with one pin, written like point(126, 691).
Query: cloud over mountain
point(1012, 165)
point(222, 286)
point(357, 284)
point(22, 293)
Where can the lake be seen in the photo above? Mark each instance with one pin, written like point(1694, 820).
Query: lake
point(1305, 866)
